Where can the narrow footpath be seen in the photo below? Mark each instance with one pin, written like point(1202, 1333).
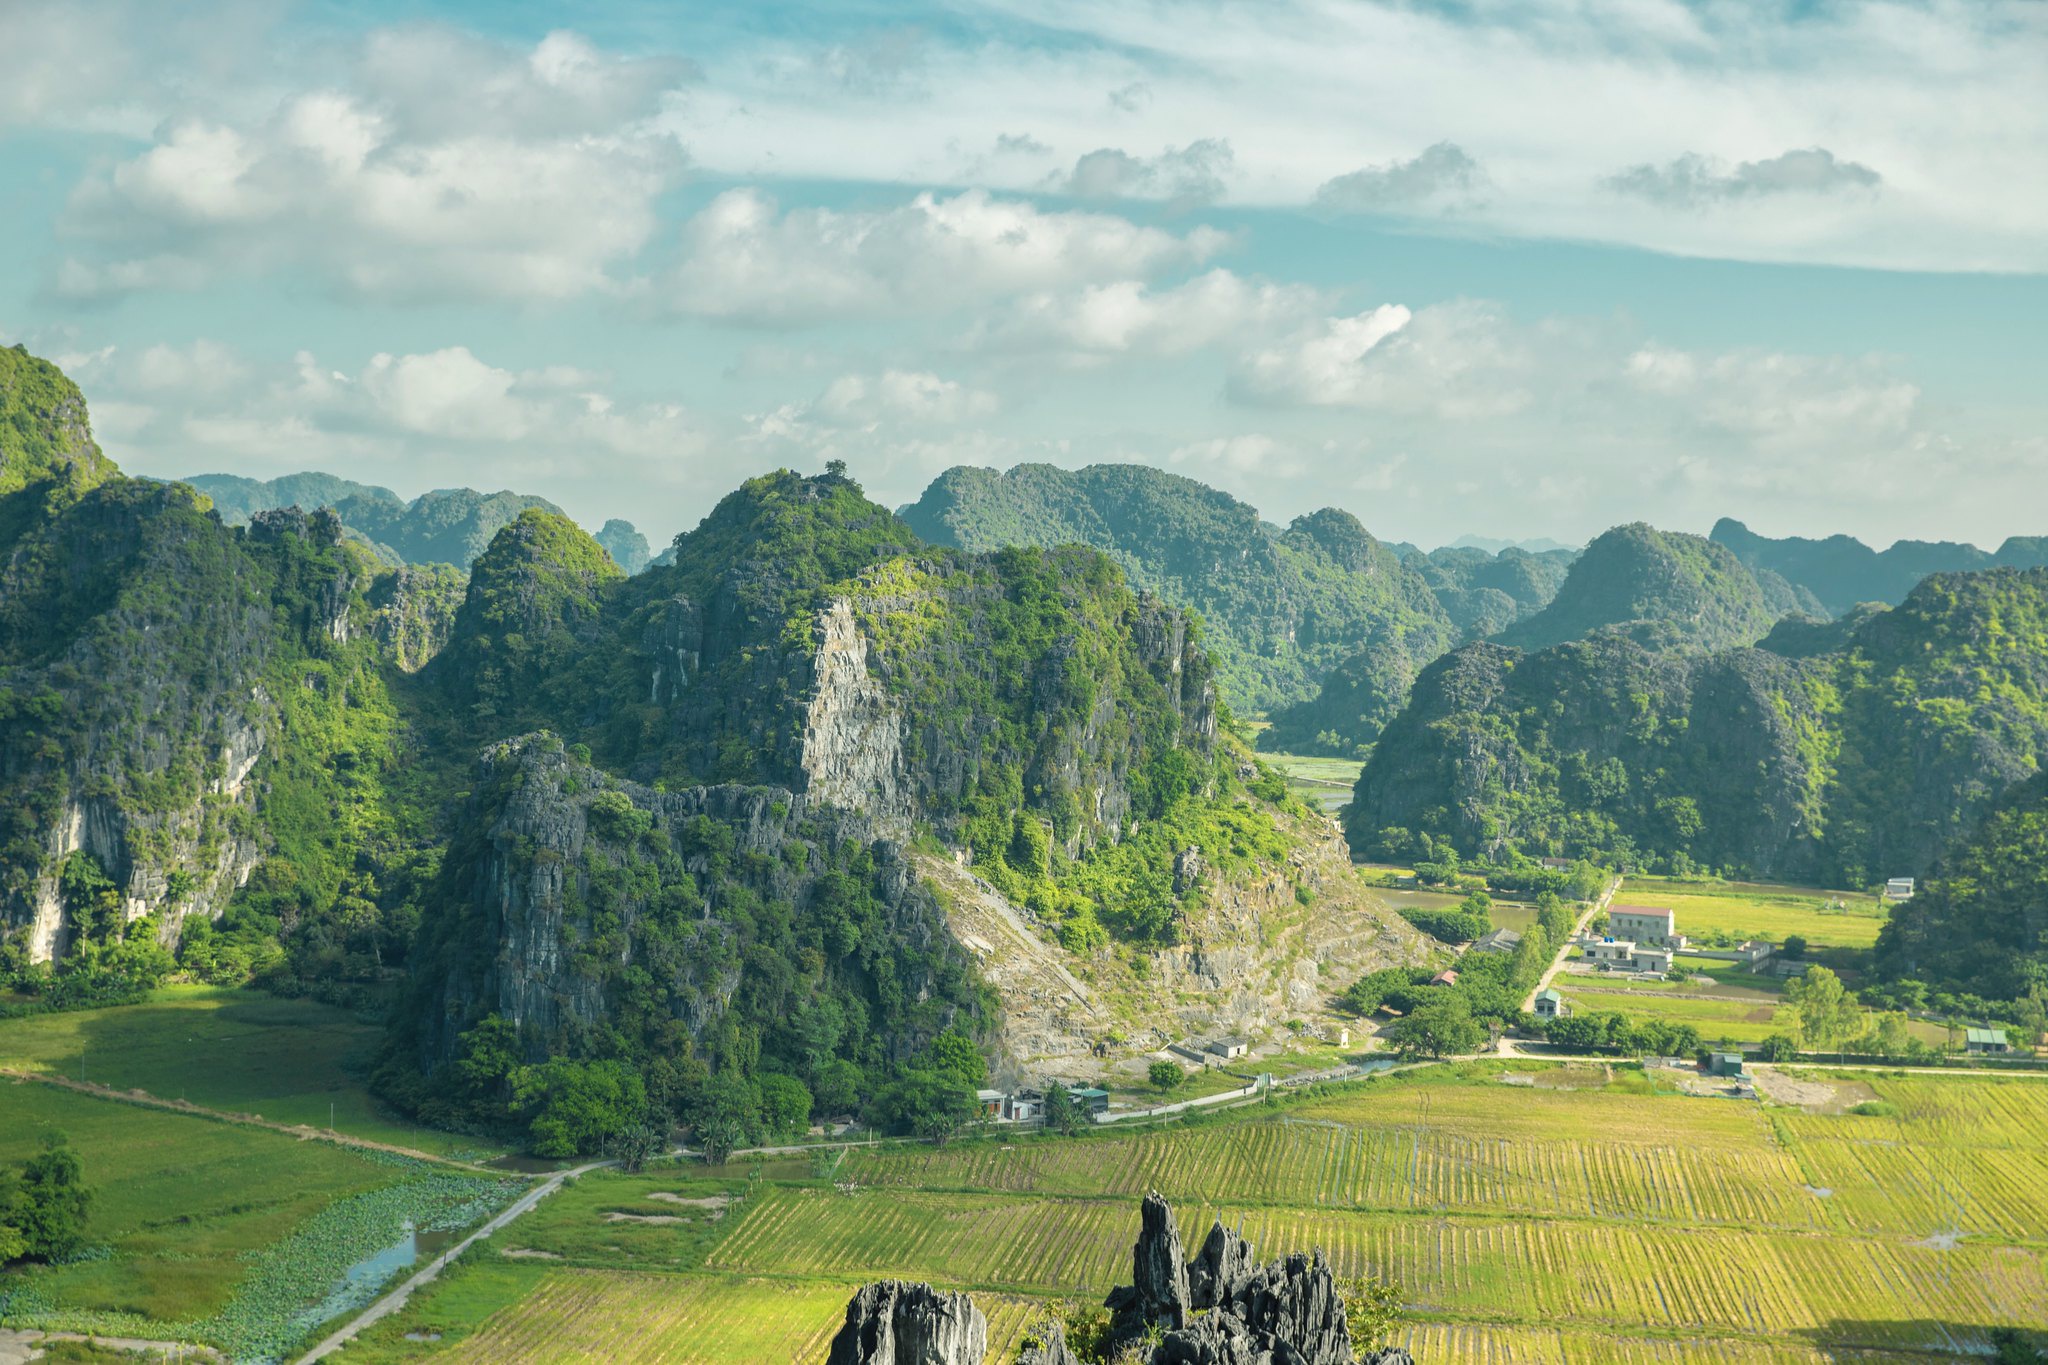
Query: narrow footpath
point(395, 1300)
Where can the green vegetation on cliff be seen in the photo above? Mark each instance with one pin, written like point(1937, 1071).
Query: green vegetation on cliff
point(1846, 766)
point(1842, 571)
point(1981, 924)
point(1661, 589)
point(1279, 608)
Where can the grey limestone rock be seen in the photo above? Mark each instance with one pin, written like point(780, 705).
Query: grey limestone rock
point(1220, 1268)
point(1158, 1292)
point(1048, 1346)
point(893, 1322)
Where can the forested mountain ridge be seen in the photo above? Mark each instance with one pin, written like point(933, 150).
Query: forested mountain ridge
point(1842, 571)
point(444, 526)
point(1662, 589)
point(1981, 923)
point(683, 866)
point(1279, 607)
point(1861, 761)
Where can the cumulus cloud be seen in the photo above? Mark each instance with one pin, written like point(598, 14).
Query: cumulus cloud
point(1455, 360)
point(1184, 177)
point(744, 260)
point(529, 180)
point(1693, 179)
point(1778, 399)
point(178, 409)
point(1440, 173)
point(1131, 317)
point(913, 397)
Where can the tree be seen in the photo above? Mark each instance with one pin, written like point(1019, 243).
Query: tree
point(725, 1116)
point(43, 1212)
point(574, 1107)
point(1441, 1026)
point(1062, 1115)
point(1371, 1308)
point(1822, 1010)
point(932, 1104)
point(1165, 1075)
point(957, 1057)
point(785, 1103)
point(1793, 948)
point(837, 1087)
point(641, 1145)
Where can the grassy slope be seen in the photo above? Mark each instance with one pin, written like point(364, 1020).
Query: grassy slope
point(282, 1060)
point(1610, 1223)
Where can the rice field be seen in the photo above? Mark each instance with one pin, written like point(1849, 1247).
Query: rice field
point(588, 1316)
point(1603, 1223)
point(1718, 1018)
point(1743, 911)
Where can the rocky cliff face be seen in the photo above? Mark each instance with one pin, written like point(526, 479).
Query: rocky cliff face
point(573, 905)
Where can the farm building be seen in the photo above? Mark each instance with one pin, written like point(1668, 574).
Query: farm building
point(991, 1102)
point(1444, 978)
point(1724, 1064)
point(1645, 924)
point(1497, 941)
point(1230, 1048)
point(1556, 864)
point(1899, 889)
point(1986, 1040)
point(1089, 1099)
point(1624, 955)
point(1551, 1005)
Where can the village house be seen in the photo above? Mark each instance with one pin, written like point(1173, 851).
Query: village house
point(1981, 1041)
point(1646, 924)
point(1899, 889)
point(1724, 1064)
point(1625, 955)
point(1444, 978)
point(1551, 1005)
point(1497, 941)
point(1230, 1048)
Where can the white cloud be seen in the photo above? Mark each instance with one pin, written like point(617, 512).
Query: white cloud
point(1131, 317)
point(444, 416)
point(534, 177)
point(1693, 179)
point(1457, 361)
point(1779, 400)
point(911, 397)
point(1440, 175)
point(1184, 177)
point(745, 261)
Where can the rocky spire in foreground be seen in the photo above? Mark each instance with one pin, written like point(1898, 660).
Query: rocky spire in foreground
point(1222, 1308)
point(892, 1322)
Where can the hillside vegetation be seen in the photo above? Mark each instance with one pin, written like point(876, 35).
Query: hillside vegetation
point(1843, 766)
point(1280, 608)
point(1841, 571)
point(678, 882)
point(445, 526)
point(1661, 589)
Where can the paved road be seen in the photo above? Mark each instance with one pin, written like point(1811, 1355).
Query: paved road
point(395, 1300)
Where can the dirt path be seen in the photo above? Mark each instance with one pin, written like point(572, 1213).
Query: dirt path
point(304, 1132)
point(1564, 951)
point(396, 1299)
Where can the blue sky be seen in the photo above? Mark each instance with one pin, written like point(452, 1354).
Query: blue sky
point(1484, 267)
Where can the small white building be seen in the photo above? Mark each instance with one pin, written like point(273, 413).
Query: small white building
point(1551, 1005)
point(1230, 1048)
point(1609, 953)
point(1646, 924)
point(1899, 889)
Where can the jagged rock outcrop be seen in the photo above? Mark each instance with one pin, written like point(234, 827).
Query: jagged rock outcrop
point(553, 857)
point(1157, 1295)
point(892, 1322)
point(853, 733)
point(1223, 1265)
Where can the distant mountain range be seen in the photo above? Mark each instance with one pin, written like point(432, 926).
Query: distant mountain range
point(445, 526)
point(1841, 571)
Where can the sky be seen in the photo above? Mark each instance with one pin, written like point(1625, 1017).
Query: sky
point(1472, 267)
